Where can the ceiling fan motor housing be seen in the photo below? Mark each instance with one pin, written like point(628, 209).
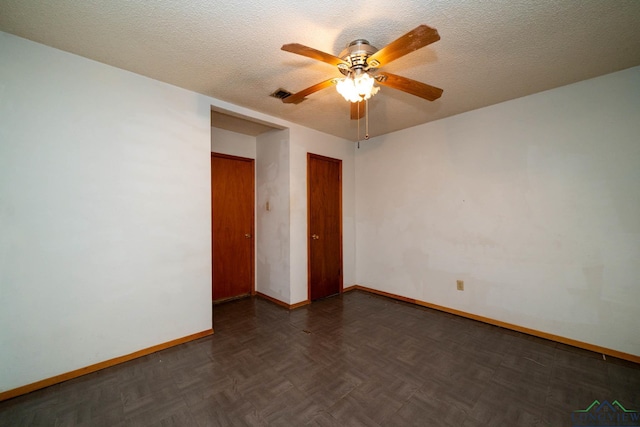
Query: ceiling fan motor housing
point(355, 57)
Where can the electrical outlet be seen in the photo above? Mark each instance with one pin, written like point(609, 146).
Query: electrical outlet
point(460, 285)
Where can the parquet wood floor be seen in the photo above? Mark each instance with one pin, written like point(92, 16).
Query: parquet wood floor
point(351, 360)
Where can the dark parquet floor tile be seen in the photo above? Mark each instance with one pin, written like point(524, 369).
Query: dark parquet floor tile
point(351, 360)
point(423, 408)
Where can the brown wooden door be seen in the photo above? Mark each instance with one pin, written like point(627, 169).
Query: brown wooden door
point(232, 207)
point(324, 180)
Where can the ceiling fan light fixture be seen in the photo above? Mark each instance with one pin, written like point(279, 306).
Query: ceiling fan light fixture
point(357, 88)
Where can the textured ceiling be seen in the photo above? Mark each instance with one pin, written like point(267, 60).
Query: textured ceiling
point(489, 52)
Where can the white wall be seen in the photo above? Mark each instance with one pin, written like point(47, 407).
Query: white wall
point(533, 202)
point(273, 234)
point(233, 143)
point(104, 212)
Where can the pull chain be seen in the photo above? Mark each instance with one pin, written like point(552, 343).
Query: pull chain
point(358, 125)
point(366, 120)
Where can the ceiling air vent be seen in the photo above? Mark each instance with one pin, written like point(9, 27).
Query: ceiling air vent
point(281, 94)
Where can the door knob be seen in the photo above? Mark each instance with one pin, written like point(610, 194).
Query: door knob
point(315, 236)
point(247, 236)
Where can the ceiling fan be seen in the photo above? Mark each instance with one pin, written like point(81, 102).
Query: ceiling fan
point(359, 63)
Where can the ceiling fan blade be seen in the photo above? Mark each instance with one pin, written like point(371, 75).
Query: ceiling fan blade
point(358, 110)
point(312, 53)
point(415, 39)
point(298, 97)
point(413, 87)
